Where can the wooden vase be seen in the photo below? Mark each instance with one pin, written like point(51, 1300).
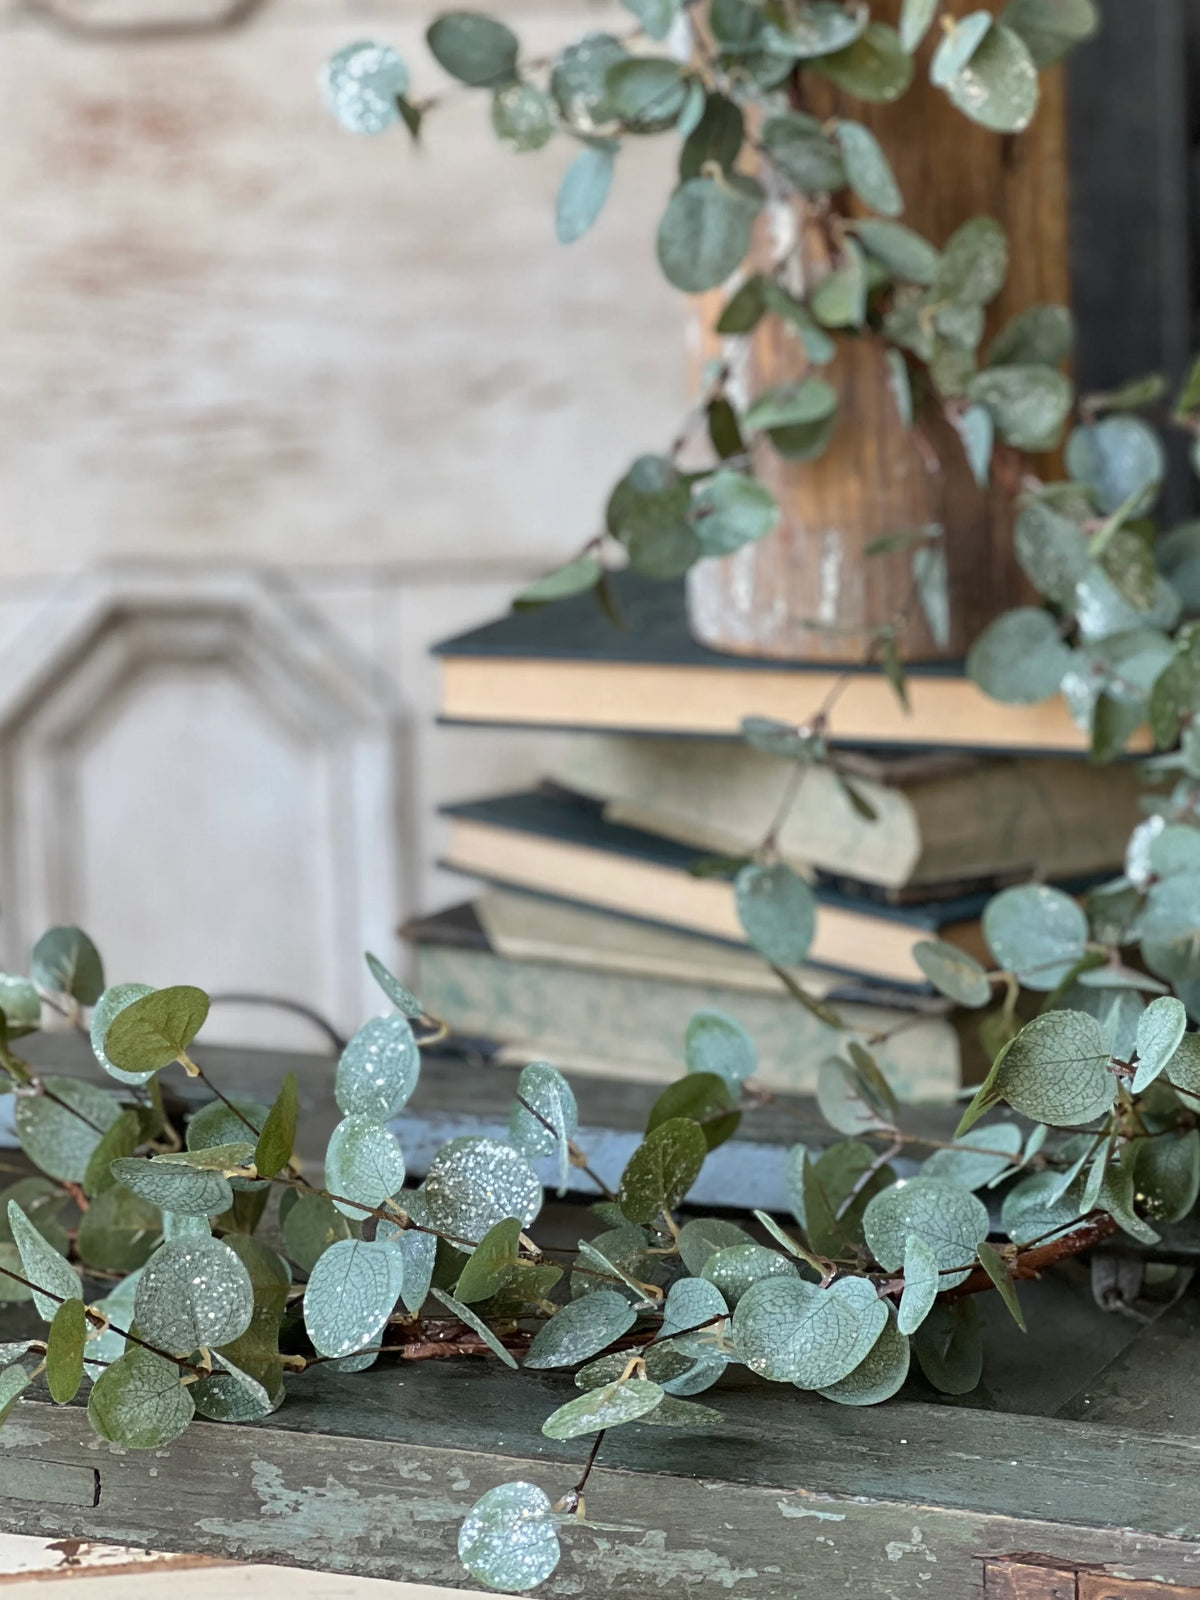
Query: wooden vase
point(809, 591)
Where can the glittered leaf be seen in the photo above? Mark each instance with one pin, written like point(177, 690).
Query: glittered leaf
point(60, 1135)
point(777, 909)
point(508, 1539)
point(65, 961)
point(718, 1043)
point(351, 1293)
point(950, 1219)
point(175, 1188)
point(474, 1183)
point(921, 1283)
point(140, 1401)
point(581, 1330)
point(662, 1169)
point(598, 1409)
point(193, 1293)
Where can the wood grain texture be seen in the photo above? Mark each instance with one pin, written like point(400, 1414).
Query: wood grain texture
point(809, 591)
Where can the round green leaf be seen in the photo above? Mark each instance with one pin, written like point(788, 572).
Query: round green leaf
point(693, 1304)
point(717, 1043)
point(193, 1294)
point(998, 87)
point(790, 1331)
point(185, 1190)
point(868, 170)
point(1037, 933)
point(1057, 1070)
point(1019, 658)
point(119, 1231)
point(974, 263)
point(113, 1001)
point(363, 1163)
point(958, 44)
point(1053, 552)
point(921, 1283)
point(875, 67)
point(1160, 1029)
point(65, 961)
point(1120, 459)
point(523, 116)
point(603, 1408)
point(791, 404)
point(61, 1138)
point(905, 254)
point(704, 234)
point(704, 1097)
point(799, 147)
point(950, 1219)
point(403, 999)
point(579, 80)
point(1042, 335)
point(64, 1351)
point(1167, 1175)
point(1029, 404)
point(646, 92)
point(474, 48)
point(1037, 1206)
point(1052, 28)
point(378, 1069)
point(20, 1004)
point(977, 1156)
point(662, 1169)
point(311, 1226)
point(140, 1402)
point(953, 972)
point(581, 198)
point(778, 911)
point(880, 1374)
point(916, 19)
point(949, 1347)
point(544, 1088)
point(581, 1329)
point(42, 1265)
point(472, 1184)
point(351, 1293)
point(363, 84)
point(731, 510)
point(156, 1029)
point(701, 1238)
point(508, 1539)
point(737, 1268)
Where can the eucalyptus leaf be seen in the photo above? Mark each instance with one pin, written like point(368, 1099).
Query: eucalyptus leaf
point(879, 1375)
point(790, 1331)
point(151, 1032)
point(996, 1267)
point(544, 1088)
point(718, 1043)
point(705, 234)
point(378, 1070)
point(958, 44)
point(364, 1165)
point(186, 1190)
point(800, 149)
point(702, 1237)
point(922, 1284)
point(974, 264)
point(693, 1315)
point(599, 1409)
point(351, 1292)
point(278, 1137)
point(523, 116)
point(949, 1347)
point(844, 1170)
point(777, 909)
point(582, 196)
point(581, 1329)
point(403, 999)
point(953, 972)
point(731, 510)
point(20, 1005)
point(1120, 459)
point(140, 1401)
point(42, 1265)
point(916, 19)
point(508, 1540)
point(1037, 933)
point(867, 168)
point(875, 67)
point(476, 1324)
point(1053, 552)
point(119, 1231)
point(704, 1097)
point(64, 1351)
point(65, 961)
point(662, 1170)
point(1167, 1174)
point(1041, 335)
point(1056, 1071)
point(193, 1294)
point(474, 48)
point(950, 1219)
point(789, 404)
point(1020, 658)
point(975, 1158)
point(1037, 1206)
point(1160, 1030)
point(1029, 403)
point(737, 1268)
point(60, 1135)
point(490, 1263)
point(907, 256)
point(1052, 28)
point(998, 87)
point(474, 1183)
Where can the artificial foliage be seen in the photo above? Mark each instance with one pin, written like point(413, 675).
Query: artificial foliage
point(193, 1266)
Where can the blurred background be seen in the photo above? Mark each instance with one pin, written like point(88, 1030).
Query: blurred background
point(280, 408)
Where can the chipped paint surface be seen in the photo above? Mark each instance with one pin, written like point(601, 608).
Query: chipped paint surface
point(662, 1568)
point(897, 1549)
point(790, 1509)
point(335, 1521)
point(833, 552)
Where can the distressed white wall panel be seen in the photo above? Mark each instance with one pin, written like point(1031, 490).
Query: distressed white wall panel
point(195, 773)
point(230, 330)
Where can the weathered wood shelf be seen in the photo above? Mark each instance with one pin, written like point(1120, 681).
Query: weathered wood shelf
point(1071, 1474)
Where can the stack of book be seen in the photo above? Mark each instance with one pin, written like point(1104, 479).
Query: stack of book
point(609, 921)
